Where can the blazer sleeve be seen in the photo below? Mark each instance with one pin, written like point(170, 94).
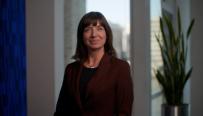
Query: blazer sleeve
point(124, 91)
point(64, 103)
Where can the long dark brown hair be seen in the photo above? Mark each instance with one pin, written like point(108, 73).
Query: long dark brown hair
point(88, 19)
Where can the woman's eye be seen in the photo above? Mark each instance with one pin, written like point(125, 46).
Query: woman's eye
point(86, 29)
point(100, 28)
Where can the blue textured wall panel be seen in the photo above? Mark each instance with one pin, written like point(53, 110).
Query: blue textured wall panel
point(12, 58)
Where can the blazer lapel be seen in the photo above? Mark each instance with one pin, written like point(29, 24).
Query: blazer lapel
point(77, 87)
point(101, 72)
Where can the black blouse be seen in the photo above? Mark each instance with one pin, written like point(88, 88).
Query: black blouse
point(86, 75)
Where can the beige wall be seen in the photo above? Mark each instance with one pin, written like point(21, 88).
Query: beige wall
point(197, 59)
point(140, 56)
point(44, 42)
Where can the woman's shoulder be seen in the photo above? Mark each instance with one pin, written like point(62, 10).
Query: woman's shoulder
point(73, 65)
point(122, 68)
point(119, 62)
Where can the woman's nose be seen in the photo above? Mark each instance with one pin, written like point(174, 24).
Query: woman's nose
point(94, 32)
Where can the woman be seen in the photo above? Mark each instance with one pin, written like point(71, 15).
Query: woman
point(97, 83)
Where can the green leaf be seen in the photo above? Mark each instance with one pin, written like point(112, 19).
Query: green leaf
point(190, 28)
point(162, 32)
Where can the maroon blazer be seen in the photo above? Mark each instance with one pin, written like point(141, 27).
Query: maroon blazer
point(109, 92)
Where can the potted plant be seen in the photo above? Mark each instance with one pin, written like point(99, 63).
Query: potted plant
point(173, 75)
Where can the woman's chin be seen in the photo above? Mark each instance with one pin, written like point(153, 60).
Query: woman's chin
point(95, 48)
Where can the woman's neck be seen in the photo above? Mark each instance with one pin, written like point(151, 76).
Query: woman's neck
point(93, 59)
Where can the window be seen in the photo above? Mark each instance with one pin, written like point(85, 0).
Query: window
point(119, 20)
point(156, 61)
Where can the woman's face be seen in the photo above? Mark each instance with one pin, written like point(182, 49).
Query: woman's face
point(94, 37)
